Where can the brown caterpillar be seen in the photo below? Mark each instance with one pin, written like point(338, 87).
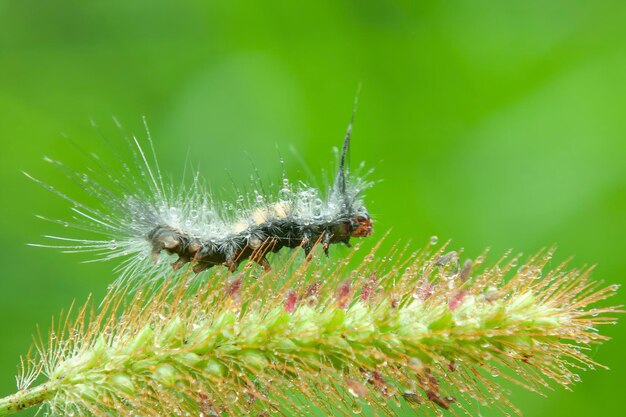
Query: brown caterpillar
point(141, 216)
point(270, 228)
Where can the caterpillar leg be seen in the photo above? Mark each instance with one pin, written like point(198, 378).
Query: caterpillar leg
point(326, 241)
point(232, 266)
point(264, 263)
point(308, 247)
point(180, 262)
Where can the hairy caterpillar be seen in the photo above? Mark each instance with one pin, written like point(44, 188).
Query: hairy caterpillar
point(141, 215)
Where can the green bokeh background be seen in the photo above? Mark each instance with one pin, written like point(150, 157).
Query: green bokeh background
point(496, 124)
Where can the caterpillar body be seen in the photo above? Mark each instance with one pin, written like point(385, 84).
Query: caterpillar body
point(141, 216)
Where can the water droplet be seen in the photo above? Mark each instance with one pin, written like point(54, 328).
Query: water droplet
point(434, 240)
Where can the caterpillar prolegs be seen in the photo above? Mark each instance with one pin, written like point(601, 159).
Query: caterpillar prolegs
point(140, 216)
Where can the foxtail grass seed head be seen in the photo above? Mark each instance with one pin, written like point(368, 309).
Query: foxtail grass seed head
point(426, 331)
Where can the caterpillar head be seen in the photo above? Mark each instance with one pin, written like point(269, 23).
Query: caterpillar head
point(361, 225)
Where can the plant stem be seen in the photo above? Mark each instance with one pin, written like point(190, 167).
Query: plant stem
point(24, 399)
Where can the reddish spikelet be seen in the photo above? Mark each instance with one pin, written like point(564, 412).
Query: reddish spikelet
point(343, 294)
point(290, 302)
point(233, 286)
point(312, 292)
point(426, 291)
point(443, 402)
point(369, 288)
point(430, 385)
point(456, 300)
point(355, 388)
point(466, 270)
point(377, 380)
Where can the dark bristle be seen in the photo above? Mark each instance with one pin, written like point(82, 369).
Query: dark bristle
point(343, 170)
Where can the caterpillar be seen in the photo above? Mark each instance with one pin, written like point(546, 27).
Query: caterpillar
point(140, 215)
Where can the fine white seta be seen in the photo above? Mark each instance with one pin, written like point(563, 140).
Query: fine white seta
point(140, 215)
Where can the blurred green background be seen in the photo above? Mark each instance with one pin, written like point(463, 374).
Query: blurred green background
point(496, 124)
